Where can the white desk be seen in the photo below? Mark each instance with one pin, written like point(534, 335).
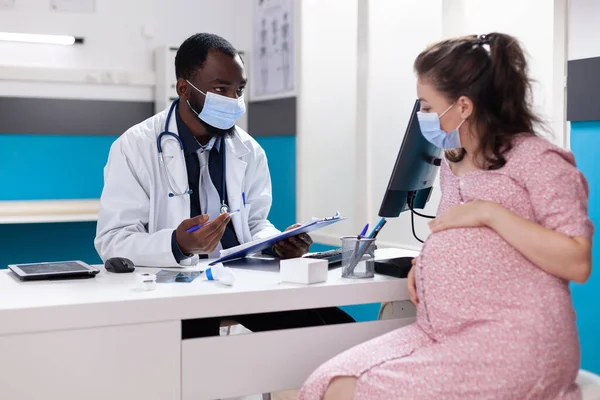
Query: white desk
point(101, 339)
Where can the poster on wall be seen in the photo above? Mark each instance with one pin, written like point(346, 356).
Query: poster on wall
point(273, 72)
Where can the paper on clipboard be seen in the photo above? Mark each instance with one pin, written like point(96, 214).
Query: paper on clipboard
point(256, 246)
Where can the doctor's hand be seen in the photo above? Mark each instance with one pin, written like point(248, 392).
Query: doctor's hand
point(412, 283)
point(293, 247)
point(205, 239)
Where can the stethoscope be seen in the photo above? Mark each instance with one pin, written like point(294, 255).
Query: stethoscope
point(188, 191)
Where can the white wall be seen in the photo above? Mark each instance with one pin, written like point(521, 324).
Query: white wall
point(397, 36)
point(114, 41)
point(356, 94)
point(584, 40)
point(540, 25)
point(326, 138)
point(241, 37)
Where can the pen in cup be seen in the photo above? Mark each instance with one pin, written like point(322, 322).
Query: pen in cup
point(364, 231)
point(358, 238)
point(377, 228)
point(196, 227)
point(365, 246)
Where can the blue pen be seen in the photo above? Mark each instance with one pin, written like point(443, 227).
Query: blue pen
point(358, 253)
point(244, 198)
point(196, 227)
point(373, 233)
point(357, 244)
point(364, 231)
point(377, 228)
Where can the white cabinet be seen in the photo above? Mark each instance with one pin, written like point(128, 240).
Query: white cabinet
point(141, 361)
point(260, 362)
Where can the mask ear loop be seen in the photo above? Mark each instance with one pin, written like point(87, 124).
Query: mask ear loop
point(188, 102)
point(192, 108)
point(192, 85)
point(447, 109)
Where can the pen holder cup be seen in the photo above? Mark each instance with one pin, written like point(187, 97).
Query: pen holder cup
point(358, 257)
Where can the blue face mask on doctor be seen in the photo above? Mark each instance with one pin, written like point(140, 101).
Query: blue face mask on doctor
point(222, 112)
point(429, 122)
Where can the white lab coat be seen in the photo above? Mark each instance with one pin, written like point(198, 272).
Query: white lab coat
point(137, 217)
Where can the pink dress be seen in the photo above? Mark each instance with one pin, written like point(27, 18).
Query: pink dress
point(490, 324)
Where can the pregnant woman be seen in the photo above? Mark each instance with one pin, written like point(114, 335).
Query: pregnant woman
point(491, 285)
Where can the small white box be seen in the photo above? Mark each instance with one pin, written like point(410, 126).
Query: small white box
point(303, 270)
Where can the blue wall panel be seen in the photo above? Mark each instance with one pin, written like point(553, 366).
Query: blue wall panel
point(281, 155)
point(47, 167)
point(24, 243)
point(42, 167)
point(585, 144)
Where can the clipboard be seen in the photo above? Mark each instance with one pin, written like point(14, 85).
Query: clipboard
point(256, 246)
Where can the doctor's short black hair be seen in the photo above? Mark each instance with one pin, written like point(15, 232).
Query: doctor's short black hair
point(193, 52)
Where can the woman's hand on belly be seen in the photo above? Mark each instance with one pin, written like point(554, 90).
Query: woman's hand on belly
point(468, 215)
point(558, 254)
point(412, 283)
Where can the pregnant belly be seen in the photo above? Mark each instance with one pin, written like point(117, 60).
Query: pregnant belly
point(472, 274)
point(471, 280)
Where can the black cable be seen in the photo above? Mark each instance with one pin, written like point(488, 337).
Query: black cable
point(412, 224)
point(410, 202)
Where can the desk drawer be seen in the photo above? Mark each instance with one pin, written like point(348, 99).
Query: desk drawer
point(230, 366)
point(140, 361)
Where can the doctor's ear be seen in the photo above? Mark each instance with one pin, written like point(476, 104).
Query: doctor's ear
point(465, 105)
point(182, 88)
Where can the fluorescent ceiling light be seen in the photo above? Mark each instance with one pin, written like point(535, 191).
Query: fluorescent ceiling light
point(36, 38)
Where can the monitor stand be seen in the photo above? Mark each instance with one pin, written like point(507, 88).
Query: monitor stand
point(397, 267)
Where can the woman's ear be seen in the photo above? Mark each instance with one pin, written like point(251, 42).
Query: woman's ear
point(465, 105)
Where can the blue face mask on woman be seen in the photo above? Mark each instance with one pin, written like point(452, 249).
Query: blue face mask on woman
point(432, 131)
point(222, 112)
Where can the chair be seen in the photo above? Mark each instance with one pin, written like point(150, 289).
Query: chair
point(227, 324)
point(589, 384)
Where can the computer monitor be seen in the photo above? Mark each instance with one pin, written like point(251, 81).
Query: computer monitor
point(414, 172)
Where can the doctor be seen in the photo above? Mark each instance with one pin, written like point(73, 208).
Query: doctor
point(190, 166)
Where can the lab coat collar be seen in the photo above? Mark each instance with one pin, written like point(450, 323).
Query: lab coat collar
point(236, 145)
point(236, 171)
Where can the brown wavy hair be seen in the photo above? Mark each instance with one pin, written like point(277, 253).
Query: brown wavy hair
point(497, 82)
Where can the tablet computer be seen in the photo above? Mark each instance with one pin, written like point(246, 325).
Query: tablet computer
point(53, 270)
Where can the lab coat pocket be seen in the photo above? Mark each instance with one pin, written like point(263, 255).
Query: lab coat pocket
point(245, 216)
point(168, 160)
